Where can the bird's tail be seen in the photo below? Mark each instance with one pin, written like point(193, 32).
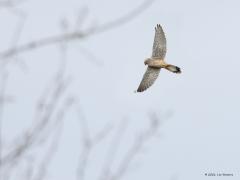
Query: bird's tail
point(173, 68)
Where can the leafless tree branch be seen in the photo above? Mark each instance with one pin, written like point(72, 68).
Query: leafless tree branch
point(76, 35)
point(43, 116)
point(53, 105)
point(123, 19)
point(58, 125)
point(88, 143)
point(106, 171)
point(138, 144)
point(4, 77)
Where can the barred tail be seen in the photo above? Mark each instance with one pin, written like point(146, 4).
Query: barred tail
point(173, 68)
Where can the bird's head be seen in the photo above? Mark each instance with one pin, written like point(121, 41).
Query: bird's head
point(146, 61)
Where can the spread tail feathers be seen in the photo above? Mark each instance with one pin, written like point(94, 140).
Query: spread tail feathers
point(173, 68)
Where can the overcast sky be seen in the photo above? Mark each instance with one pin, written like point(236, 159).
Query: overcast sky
point(202, 134)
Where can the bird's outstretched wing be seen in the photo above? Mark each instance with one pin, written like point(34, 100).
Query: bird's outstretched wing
point(159, 44)
point(149, 78)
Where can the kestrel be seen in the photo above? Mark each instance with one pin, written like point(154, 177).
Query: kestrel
point(156, 62)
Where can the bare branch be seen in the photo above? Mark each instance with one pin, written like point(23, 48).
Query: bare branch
point(42, 170)
point(81, 17)
point(4, 79)
point(106, 172)
point(21, 15)
point(122, 20)
point(76, 35)
point(31, 136)
point(53, 105)
point(29, 170)
point(90, 56)
point(102, 134)
point(58, 125)
point(88, 144)
point(138, 144)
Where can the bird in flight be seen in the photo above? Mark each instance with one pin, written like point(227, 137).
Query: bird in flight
point(156, 62)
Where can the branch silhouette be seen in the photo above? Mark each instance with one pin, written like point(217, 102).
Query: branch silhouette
point(55, 102)
point(76, 35)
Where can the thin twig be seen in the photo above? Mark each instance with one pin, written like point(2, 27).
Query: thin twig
point(90, 56)
point(21, 15)
point(81, 17)
point(138, 144)
point(42, 170)
point(111, 155)
point(29, 169)
point(123, 19)
point(76, 35)
point(30, 137)
point(2, 97)
point(88, 144)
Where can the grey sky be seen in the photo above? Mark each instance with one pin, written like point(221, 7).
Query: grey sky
point(202, 38)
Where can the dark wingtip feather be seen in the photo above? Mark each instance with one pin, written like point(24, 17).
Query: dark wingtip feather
point(178, 70)
point(158, 27)
point(139, 90)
